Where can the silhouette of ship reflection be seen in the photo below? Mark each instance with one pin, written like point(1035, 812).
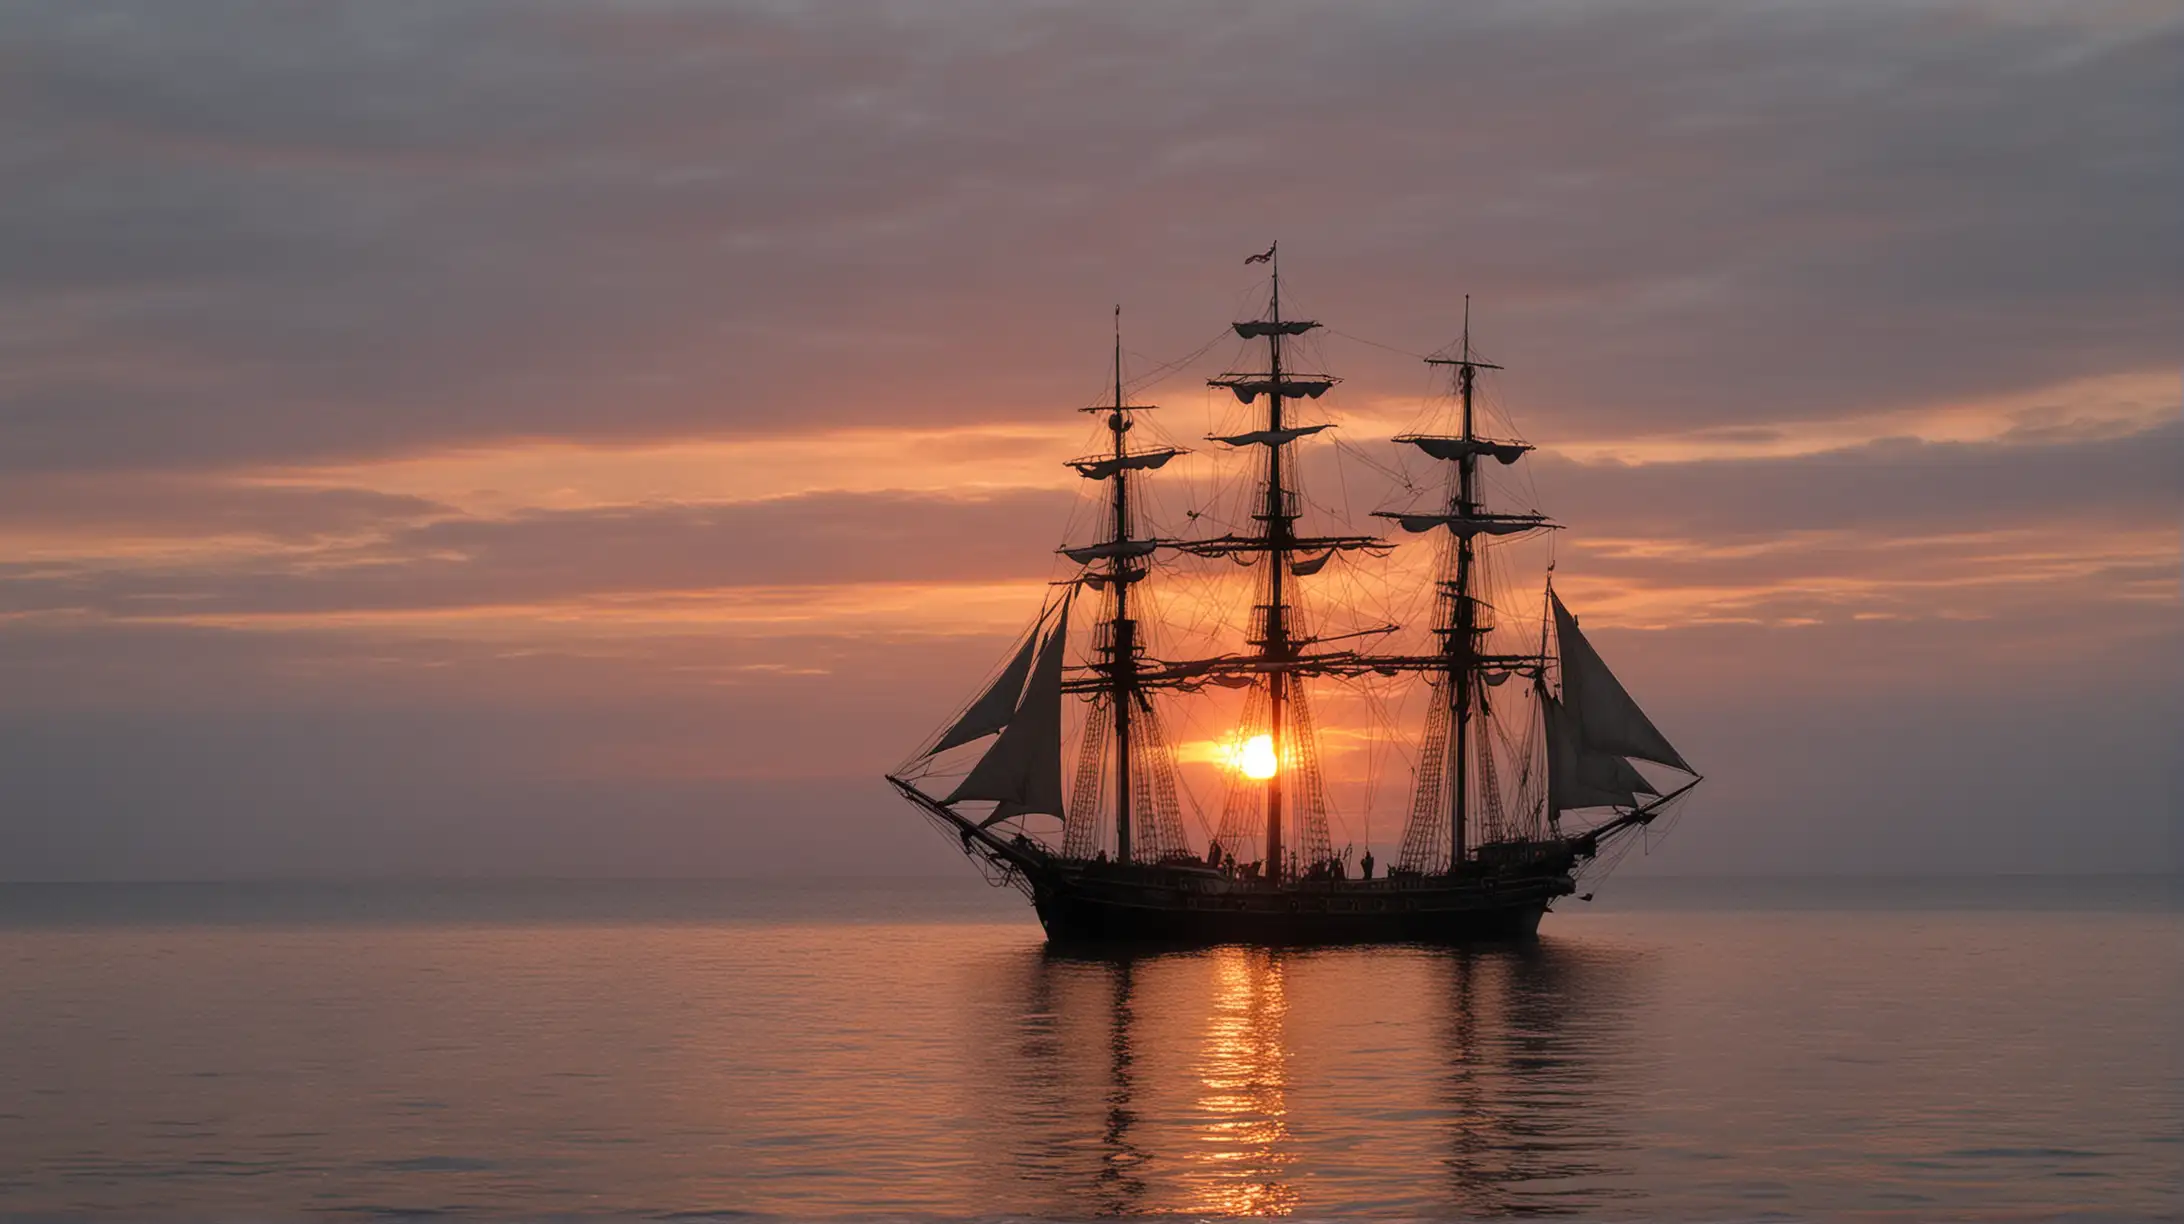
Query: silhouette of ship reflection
point(1258, 1081)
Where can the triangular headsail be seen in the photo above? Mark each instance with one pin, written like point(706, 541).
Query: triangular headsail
point(1609, 720)
point(997, 704)
point(1022, 771)
point(1577, 777)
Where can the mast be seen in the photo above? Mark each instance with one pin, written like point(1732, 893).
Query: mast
point(1274, 645)
point(1277, 656)
point(1460, 637)
point(1122, 631)
point(1116, 562)
point(1461, 656)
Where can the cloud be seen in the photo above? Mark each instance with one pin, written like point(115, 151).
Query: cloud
point(398, 227)
point(1887, 486)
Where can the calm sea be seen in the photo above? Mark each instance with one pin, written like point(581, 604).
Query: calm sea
point(1677, 1050)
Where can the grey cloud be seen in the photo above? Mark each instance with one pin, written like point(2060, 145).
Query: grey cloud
point(382, 226)
point(1889, 487)
point(157, 504)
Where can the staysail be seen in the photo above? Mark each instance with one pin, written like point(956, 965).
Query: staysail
point(1578, 777)
point(997, 704)
point(1610, 722)
point(1022, 771)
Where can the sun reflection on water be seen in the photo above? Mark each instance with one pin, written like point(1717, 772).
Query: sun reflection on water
point(1241, 1160)
point(1235, 1082)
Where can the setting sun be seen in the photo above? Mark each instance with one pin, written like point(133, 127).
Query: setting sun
point(1256, 758)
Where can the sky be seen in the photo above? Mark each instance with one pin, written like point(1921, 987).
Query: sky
point(601, 439)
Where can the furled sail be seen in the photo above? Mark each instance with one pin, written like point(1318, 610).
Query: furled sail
point(1119, 550)
point(997, 704)
point(1102, 469)
point(1305, 567)
point(1260, 330)
point(1271, 437)
point(1579, 777)
point(1466, 525)
point(1232, 545)
point(1458, 448)
point(1249, 389)
point(1022, 771)
point(1611, 721)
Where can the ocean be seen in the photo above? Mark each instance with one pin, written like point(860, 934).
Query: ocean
point(1678, 1049)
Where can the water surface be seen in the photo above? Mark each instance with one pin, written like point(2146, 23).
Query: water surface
point(1679, 1050)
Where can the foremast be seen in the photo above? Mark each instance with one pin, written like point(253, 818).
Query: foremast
point(1118, 640)
point(1117, 687)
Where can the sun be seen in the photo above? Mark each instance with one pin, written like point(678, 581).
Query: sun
point(1256, 758)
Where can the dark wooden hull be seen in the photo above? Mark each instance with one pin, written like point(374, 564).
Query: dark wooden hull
point(1094, 904)
point(1501, 892)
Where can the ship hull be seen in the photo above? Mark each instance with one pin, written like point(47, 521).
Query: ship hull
point(1149, 906)
point(1499, 893)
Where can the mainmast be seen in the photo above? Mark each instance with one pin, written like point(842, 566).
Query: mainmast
point(1275, 643)
point(1121, 655)
point(1279, 529)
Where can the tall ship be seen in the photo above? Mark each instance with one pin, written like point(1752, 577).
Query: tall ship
point(1496, 731)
